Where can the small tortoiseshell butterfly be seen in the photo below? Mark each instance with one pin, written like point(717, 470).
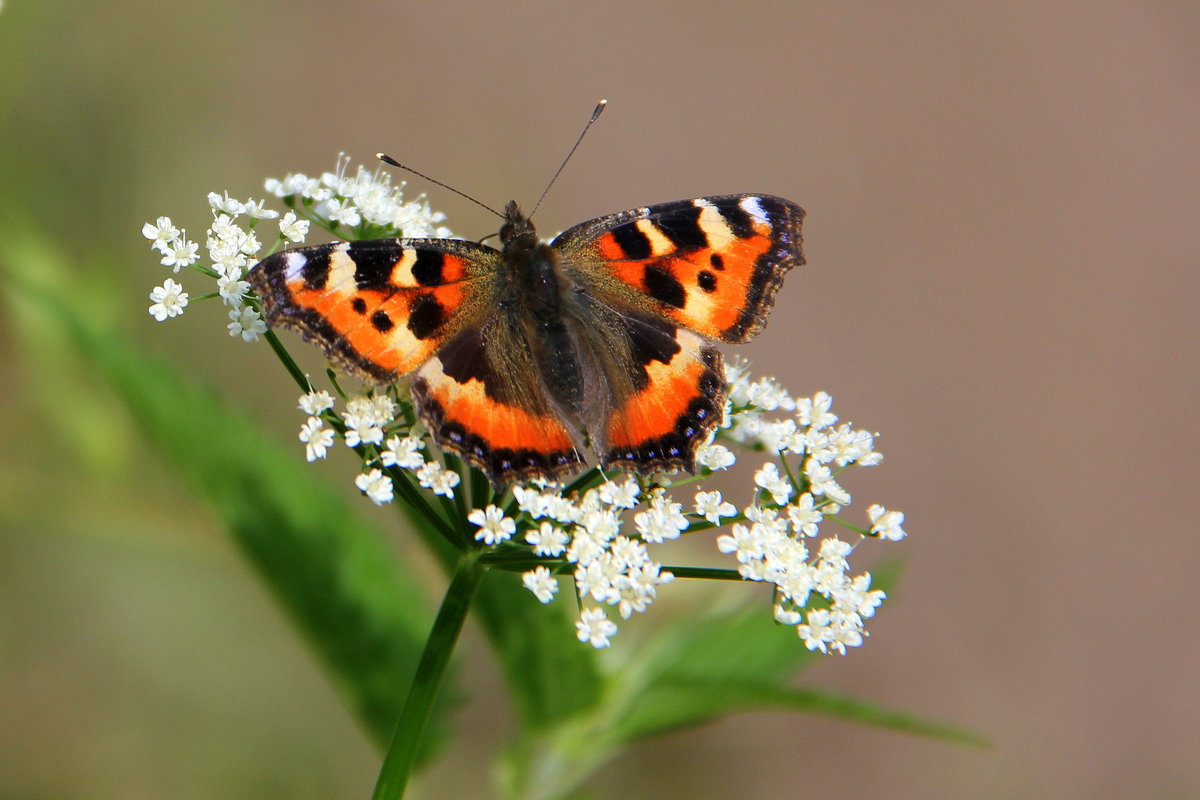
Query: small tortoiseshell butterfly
point(526, 358)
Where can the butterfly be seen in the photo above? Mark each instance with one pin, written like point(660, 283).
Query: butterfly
point(529, 359)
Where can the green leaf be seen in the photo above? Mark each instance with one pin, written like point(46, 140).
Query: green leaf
point(706, 659)
point(669, 706)
point(331, 569)
point(551, 675)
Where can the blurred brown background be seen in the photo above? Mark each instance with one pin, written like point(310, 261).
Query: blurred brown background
point(1003, 243)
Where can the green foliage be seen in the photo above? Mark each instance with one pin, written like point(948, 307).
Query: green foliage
point(340, 583)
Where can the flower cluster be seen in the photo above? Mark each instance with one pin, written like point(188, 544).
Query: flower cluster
point(602, 535)
point(601, 532)
point(365, 205)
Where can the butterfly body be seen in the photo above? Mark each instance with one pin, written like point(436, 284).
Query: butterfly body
point(529, 360)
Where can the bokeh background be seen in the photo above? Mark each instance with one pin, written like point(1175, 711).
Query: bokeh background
point(1003, 246)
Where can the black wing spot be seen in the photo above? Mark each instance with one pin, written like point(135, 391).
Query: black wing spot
point(427, 268)
point(382, 322)
point(316, 267)
point(359, 305)
point(663, 287)
point(372, 265)
point(717, 261)
point(740, 222)
point(707, 281)
point(425, 316)
point(682, 227)
point(634, 244)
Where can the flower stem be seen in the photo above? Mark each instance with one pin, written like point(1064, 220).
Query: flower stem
point(293, 369)
point(406, 741)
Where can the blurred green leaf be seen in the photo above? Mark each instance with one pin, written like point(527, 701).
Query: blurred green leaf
point(332, 571)
point(671, 706)
point(551, 675)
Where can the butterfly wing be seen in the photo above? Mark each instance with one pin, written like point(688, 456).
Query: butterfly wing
point(678, 275)
point(377, 309)
point(482, 397)
point(675, 400)
point(713, 264)
point(385, 308)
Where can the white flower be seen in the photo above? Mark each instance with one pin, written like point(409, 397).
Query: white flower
point(765, 394)
point(169, 300)
point(541, 582)
point(162, 234)
point(621, 495)
point(595, 627)
point(781, 435)
point(292, 228)
point(814, 412)
point(600, 524)
point(664, 520)
point(816, 634)
point(859, 598)
point(316, 438)
point(547, 540)
point(715, 456)
point(293, 183)
point(257, 209)
point(180, 253)
point(710, 506)
point(821, 482)
point(804, 516)
point(225, 204)
point(376, 486)
point(853, 447)
point(403, 452)
point(494, 527)
point(383, 407)
point(246, 322)
point(361, 429)
point(433, 475)
point(249, 245)
point(339, 211)
point(886, 523)
point(232, 288)
point(778, 485)
point(314, 403)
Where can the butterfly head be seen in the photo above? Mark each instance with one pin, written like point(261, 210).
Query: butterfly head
point(516, 225)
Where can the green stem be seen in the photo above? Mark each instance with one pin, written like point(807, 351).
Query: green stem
point(406, 741)
point(292, 367)
point(708, 573)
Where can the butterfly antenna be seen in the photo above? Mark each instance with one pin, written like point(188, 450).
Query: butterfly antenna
point(389, 160)
point(595, 116)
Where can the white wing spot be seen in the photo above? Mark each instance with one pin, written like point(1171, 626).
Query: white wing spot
point(293, 263)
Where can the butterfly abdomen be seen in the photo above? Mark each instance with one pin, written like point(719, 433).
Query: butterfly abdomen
point(541, 291)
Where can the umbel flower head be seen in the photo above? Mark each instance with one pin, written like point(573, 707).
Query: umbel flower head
point(606, 537)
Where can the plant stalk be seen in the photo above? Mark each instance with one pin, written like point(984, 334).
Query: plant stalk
point(439, 647)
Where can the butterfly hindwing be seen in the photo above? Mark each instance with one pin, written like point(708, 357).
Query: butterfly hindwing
point(482, 397)
point(380, 308)
point(713, 264)
point(677, 399)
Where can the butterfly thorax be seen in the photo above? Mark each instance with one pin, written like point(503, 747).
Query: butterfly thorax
point(537, 286)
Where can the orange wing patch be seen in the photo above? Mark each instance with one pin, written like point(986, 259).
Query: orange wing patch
point(377, 309)
point(679, 404)
point(713, 264)
point(470, 407)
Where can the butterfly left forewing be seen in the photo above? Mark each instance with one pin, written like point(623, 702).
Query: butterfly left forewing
point(380, 308)
point(713, 264)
